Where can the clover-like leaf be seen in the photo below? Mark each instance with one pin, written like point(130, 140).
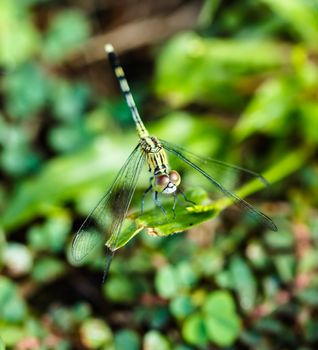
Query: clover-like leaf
point(220, 319)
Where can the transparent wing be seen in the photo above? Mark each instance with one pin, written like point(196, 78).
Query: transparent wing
point(194, 160)
point(104, 223)
point(228, 174)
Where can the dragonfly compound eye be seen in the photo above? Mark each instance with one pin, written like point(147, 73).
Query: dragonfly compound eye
point(174, 177)
point(161, 182)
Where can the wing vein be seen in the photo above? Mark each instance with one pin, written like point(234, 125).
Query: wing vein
point(105, 220)
point(239, 202)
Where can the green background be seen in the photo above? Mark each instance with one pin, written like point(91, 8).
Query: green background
point(239, 85)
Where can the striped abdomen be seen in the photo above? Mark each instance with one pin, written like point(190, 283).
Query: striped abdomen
point(120, 75)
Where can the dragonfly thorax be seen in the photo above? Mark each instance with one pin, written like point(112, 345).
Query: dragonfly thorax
point(162, 180)
point(150, 144)
point(155, 155)
point(166, 183)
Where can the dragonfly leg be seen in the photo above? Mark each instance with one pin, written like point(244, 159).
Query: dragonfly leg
point(174, 204)
point(143, 198)
point(185, 198)
point(109, 259)
point(158, 203)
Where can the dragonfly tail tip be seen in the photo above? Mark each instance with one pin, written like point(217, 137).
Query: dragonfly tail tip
point(109, 48)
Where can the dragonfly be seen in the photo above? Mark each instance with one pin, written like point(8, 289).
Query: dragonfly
point(105, 221)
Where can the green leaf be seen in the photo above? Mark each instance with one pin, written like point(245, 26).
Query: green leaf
point(224, 279)
point(215, 261)
point(19, 39)
point(66, 177)
point(11, 334)
point(194, 330)
point(34, 327)
point(95, 333)
point(181, 306)
point(302, 16)
point(208, 12)
point(62, 318)
point(166, 282)
point(311, 330)
point(189, 125)
point(52, 235)
point(130, 229)
point(227, 61)
point(120, 289)
point(17, 258)
point(308, 263)
point(308, 296)
point(67, 31)
point(2, 345)
point(69, 100)
point(187, 274)
point(23, 102)
point(81, 311)
point(47, 269)
point(287, 165)
point(155, 317)
point(160, 316)
point(220, 319)
point(283, 240)
point(157, 223)
point(183, 347)
point(270, 324)
point(155, 340)
point(127, 339)
point(68, 138)
point(268, 110)
point(219, 301)
point(12, 307)
point(17, 157)
point(309, 116)
point(285, 264)
point(244, 283)
point(257, 254)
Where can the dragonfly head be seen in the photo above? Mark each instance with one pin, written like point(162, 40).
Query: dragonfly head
point(167, 183)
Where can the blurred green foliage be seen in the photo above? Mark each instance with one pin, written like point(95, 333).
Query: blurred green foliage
point(241, 88)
